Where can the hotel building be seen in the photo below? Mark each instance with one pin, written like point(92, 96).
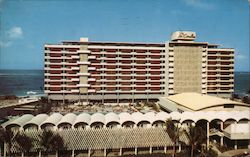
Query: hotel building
point(131, 71)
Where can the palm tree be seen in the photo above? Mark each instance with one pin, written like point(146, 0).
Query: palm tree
point(196, 136)
point(24, 142)
point(50, 141)
point(174, 132)
point(1, 139)
point(6, 137)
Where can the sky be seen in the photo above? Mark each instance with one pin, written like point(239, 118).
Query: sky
point(26, 25)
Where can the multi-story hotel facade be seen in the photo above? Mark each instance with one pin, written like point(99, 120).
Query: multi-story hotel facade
point(130, 71)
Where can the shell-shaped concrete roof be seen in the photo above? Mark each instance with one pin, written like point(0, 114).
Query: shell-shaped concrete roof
point(56, 118)
point(139, 117)
point(68, 118)
point(125, 117)
point(197, 102)
point(21, 120)
point(150, 116)
point(112, 117)
point(97, 117)
point(175, 115)
point(53, 119)
point(161, 116)
point(83, 118)
point(37, 120)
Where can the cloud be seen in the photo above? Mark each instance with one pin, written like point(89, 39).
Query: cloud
point(5, 43)
point(202, 4)
point(15, 32)
point(9, 36)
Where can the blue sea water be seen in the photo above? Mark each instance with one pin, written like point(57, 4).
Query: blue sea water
point(19, 82)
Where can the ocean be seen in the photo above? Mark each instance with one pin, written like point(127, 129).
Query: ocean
point(19, 82)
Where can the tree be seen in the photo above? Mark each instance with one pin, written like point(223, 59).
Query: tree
point(196, 136)
point(6, 137)
point(174, 132)
point(51, 141)
point(24, 142)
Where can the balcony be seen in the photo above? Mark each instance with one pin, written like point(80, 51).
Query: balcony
point(83, 63)
point(83, 74)
point(83, 85)
point(91, 57)
point(91, 68)
point(91, 79)
point(75, 57)
point(83, 51)
point(75, 68)
point(75, 79)
point(74, 90)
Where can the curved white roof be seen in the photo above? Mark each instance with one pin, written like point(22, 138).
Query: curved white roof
point(175, 115)
point(161, 116)
point(97, 117)
point(21, 120)
point(68, 118)
point(196, 101)
point(125, 117)
point(188, 116)
point(150, 116)
point(83, 118)
point(53, 119)
point(37, 120)
point(111, 117)
point(138, 117)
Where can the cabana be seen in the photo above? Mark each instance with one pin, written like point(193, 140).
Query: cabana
point(18, 122)
point(160, 119)
point(112, 120)
point(82, 121)
point(67, 121)
point(51, 121)
point(126, 120)
point(140, 119)
point(97, 121)
point(35, 122)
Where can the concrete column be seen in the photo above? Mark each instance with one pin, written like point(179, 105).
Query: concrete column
point(105, 152)
point(179, 148)
point(165, 150)
point(89, 152)
point(63, 98)
point(40, 153)
point(133, 99)
point(87, 98)
point(150, 150)
point(79, 101)
point(221, 126)
point(120, 153)
point(102, 98)
point(136, 151)
point(235, 144)
point(207, 135)
point(4, 149)
point(118, 99)
point(221, 138)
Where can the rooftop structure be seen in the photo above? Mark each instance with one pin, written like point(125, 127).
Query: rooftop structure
point(200, 102)
point(134, 130)
point(136, 119)
point(130, 71)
